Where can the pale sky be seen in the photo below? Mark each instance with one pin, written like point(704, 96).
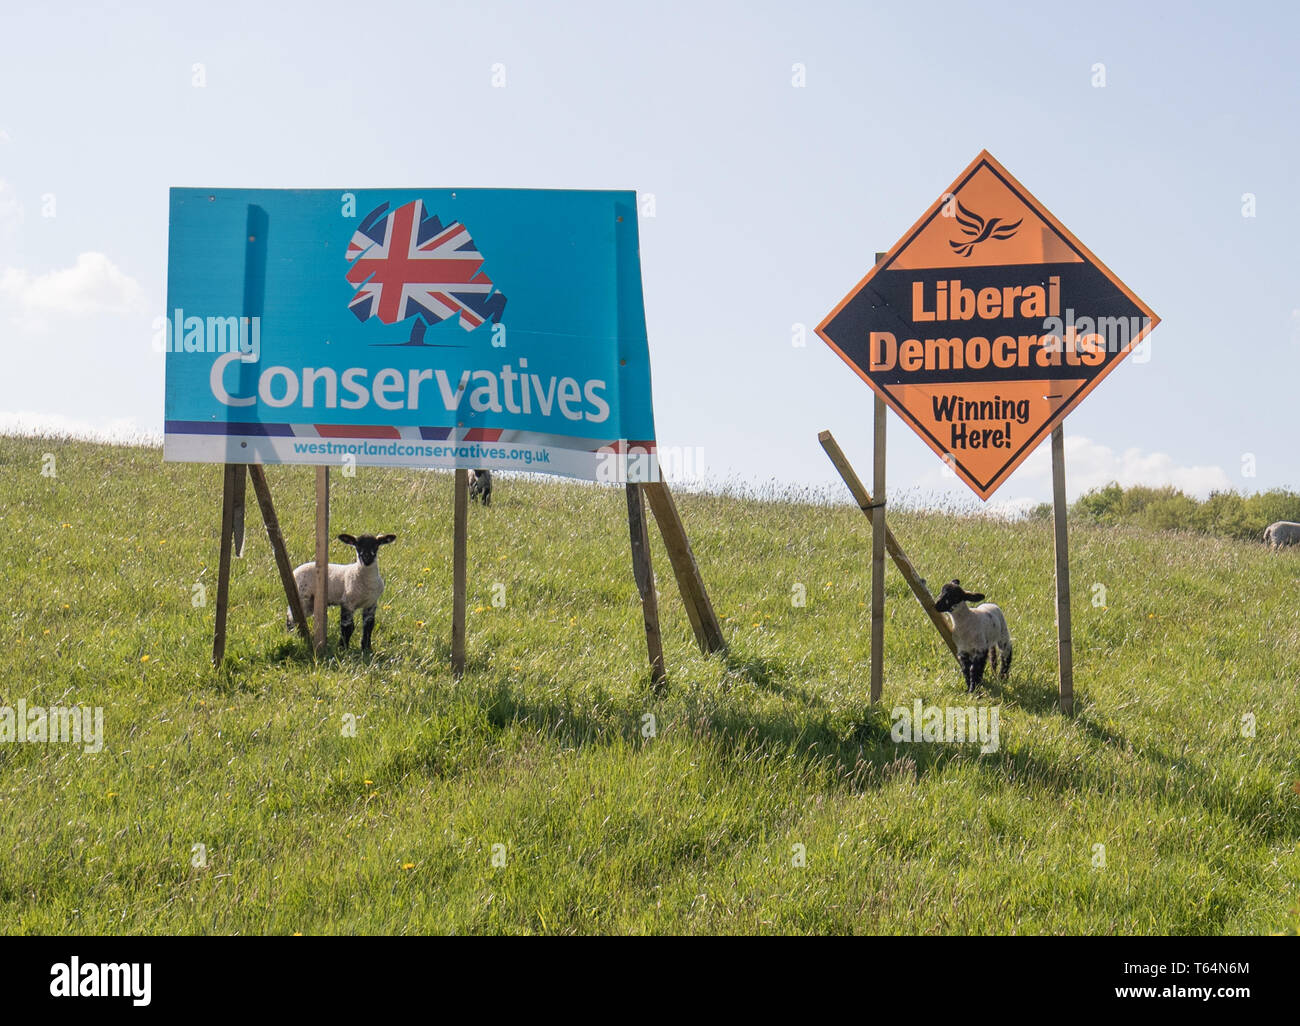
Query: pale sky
point(769, 198)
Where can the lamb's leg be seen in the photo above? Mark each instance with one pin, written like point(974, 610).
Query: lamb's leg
point(977, 671)
point(1006, 661)
point(346, 626)
point(965, 660)
point(367, 625)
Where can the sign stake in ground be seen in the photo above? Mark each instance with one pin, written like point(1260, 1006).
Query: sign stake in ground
point(982, 328)
point(241, 483)
point(459, 569)
point(1064, 641)
point(878, 558)
point(878, 549)
point(643, 571)
point(321, 591)
point(223, 564)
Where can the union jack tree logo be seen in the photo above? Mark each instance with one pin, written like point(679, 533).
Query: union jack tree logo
point(407, 264)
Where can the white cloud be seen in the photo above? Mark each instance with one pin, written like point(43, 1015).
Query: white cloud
point(1088, 465)
point(4, 137)
point(93, 285)
point(1092, 465)
point(122, 430)
point(1010, 509)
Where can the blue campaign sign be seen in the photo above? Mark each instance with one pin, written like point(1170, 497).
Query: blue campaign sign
point(498, 328)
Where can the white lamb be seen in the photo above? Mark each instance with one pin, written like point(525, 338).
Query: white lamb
point(352, 586)
point(978, 632)
point(1282, 534)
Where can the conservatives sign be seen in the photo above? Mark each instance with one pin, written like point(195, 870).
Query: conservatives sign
point(422, 328)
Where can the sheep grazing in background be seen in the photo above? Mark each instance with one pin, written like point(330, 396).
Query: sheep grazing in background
point(480, 486)
point(1282, 534)
point(978, 632)
point(352, 586)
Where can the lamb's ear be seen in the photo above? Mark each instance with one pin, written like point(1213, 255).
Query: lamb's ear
point(347, 539)
point(384, 539)
point(974, 598)
point(956, 583)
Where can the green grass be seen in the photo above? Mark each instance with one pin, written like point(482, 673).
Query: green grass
point(540, 746)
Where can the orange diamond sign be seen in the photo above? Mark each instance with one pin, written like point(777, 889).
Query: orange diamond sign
point(986, 324)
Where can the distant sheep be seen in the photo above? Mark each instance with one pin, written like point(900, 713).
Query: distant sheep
point(978, 632)
point(352, 586)
point(1282, 534)
point(480, 486)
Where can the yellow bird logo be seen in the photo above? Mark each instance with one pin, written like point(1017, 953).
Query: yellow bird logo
point(977, 230)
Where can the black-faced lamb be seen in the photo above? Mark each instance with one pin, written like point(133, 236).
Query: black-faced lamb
point(978, 632)
point(352, 587)
point(1282, 534)
point(480, 486)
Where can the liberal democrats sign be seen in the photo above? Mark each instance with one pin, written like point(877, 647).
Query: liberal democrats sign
point(498, 328)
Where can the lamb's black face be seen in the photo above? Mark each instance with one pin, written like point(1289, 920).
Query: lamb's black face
point(952, 594)
point(367, 545)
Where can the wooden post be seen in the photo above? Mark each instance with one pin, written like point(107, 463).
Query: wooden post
point(643, 571)
point(1064, 642)
point(319, 620)
point(255, 231)
point(241, 488)
point(878, 549)
point(878, 558)
point(223, 564)
point(863, 498)
point(458, 572)
point(704, 622)
point(282, 564)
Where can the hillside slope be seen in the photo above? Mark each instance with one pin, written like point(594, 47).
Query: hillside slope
point(231, 801)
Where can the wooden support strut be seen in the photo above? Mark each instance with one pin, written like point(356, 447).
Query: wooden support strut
point(863, 498)
point(282, 564)
point(704, 622)
point(643, 571)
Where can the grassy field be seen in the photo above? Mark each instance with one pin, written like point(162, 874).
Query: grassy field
point(541, 748)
